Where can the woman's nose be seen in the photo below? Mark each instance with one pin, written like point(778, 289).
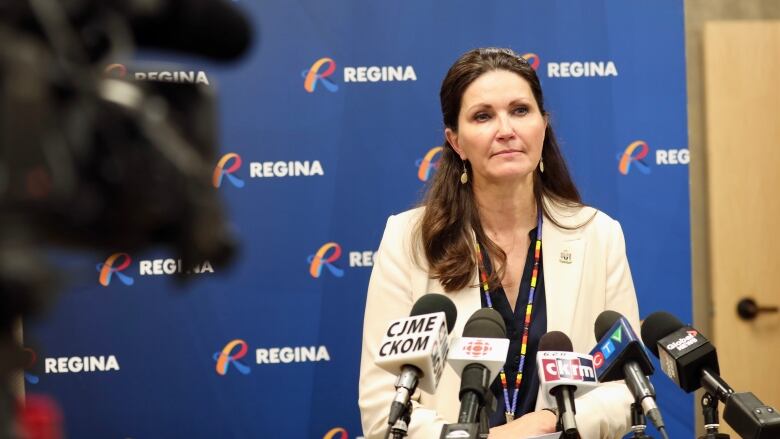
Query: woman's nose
point(505, 130)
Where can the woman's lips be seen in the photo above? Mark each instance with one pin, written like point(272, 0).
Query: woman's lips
point(507, 152)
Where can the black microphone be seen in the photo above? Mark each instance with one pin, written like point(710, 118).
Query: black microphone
point(216, 29)
point(687, 357)
point(475, 379)
point(564, 394)
point(417, 346)
point(212, 28)
point(629, 362)
point(691, 361)
point(476, 357)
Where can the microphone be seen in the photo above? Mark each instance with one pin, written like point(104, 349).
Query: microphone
point(212, 28)
point(691, 361)
point(563, 375)
point(477, 357)
point(417, 346)
point(619, 355)
point(684, 353)
point(216, 29)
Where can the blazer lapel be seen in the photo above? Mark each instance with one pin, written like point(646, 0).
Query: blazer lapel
point(563, 254)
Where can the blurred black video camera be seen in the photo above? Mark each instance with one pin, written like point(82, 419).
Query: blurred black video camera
point(96, 162)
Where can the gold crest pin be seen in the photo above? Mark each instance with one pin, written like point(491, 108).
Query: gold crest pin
point(565, 257)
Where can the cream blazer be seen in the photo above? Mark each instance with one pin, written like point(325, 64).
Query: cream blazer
point(585, 273)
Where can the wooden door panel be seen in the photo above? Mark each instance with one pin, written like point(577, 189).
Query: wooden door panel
point(742, 113)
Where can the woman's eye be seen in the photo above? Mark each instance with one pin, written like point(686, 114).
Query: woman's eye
point(481, 117)
point(522, 110)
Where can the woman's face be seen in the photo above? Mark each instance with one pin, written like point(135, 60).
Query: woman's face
point(500, 128)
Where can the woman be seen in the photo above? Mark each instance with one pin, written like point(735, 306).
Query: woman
point(502, 226)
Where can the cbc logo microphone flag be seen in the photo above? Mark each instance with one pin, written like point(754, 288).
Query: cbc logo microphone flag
point(489, 352)
point(477, 348)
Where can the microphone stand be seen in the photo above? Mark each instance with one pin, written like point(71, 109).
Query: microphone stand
point(484, 428)
point(473, 430)
point(400, 429)
point(472, 419)
point(638, 423)
point(476, 430)
point(709, 408)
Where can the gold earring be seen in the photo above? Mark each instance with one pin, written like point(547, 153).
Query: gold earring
point(464, 177)
point(541, 165)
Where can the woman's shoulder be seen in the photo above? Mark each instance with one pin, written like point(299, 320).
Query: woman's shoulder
point(401, 228)
point(407, 219)
point(401, 235)
point(578, 216)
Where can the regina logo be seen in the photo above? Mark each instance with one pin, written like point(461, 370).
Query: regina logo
point(91, 363)
point(336, 433)
point(579, 69)
point(120, 71)
point(230, 163)
point(319, 73)
point(325, 256)
point(112, 266)
point(119, 262)
point(230, 354)
point(226, 167)
point(427, 165)
point(32, 358)
point(635, 154)
point(323, 69)
point(533, 59)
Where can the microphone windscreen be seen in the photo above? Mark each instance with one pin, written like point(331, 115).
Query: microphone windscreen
point(555, 341)
point(432, 303)
point(657, 326)
point(604, 321)
point(213, 28)
point(485, 323)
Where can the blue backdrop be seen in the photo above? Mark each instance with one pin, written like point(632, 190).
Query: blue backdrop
point(310, 170)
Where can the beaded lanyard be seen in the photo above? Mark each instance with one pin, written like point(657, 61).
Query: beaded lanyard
point(510, 410)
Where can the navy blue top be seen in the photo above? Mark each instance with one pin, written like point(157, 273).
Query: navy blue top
point(526, 399)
